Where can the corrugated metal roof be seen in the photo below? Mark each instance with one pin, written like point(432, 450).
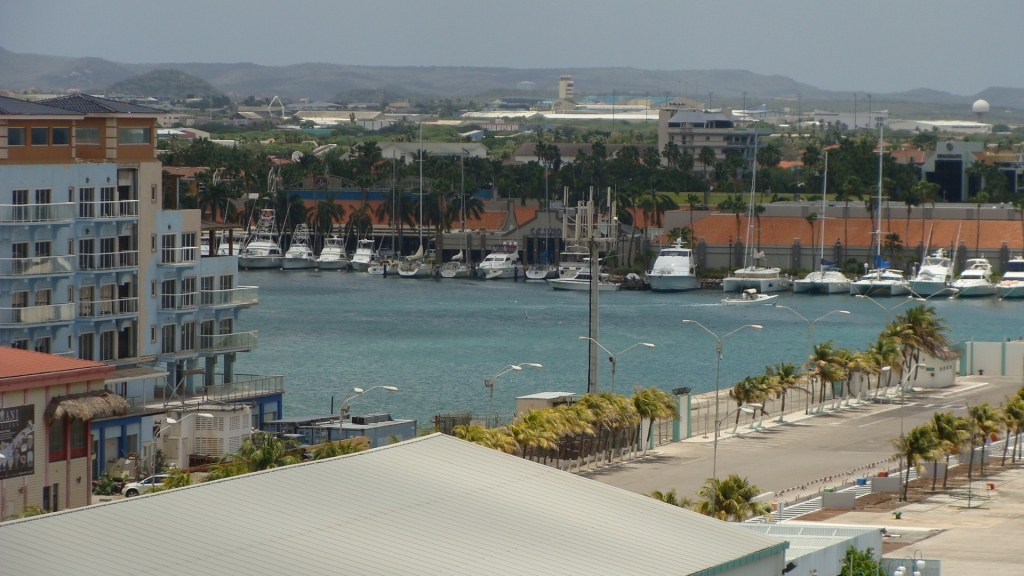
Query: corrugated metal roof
point(19, 107)
point(432, 505)
point(806, 539)
point(85, 104)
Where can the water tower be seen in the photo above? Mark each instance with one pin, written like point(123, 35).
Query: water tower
point(980, 108)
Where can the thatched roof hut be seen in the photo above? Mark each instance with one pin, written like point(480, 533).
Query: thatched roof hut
point(86, 406)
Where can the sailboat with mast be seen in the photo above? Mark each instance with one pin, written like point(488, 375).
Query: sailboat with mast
point(755, 272)
point(418, 265)
point(827, 279)
point(882, 280)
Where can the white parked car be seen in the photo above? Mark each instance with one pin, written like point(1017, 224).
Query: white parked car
point(135, 488)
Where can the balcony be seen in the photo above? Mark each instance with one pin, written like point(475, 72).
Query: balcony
point(244, 387)
point(109, 260)
point(186, 301)
point(37, 213)
point(108, 308)
point(39, 266)
point(111, 209)
point(184, 256)
point(241, 296)
point(228, 342)
point(37, 315)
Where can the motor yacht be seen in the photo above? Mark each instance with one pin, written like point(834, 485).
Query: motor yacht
point(501, 263)
point(674, 270)
point(976, 280)
point(750, 297)
point(299, 255)
point(575, 257)
point(364, 254)
point(581, 281)
point(1012, 285)
point(332, 257)
point(933, 277)
point(262, 250)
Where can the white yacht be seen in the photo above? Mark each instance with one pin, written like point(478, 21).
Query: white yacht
point(581, 281)
point(299, 255)
point(501, 263)
point(456, 267)
point(1012, 285)
point(674, 270)
point(417, 266)
point(760, 277)
point(881, 282)
point(827, 279)
point(227, 248)
point(933, 277)
point(262, 250)
point(572, 260)
point(364, 254)
point(542, 270)
point(976, 280)
point(332, 257)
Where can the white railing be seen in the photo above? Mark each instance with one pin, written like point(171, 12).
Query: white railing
point(37, 212)
point(37, 314)
point(109, 209)
point(104, 308)
point(241, 296)
point(229, 341)
point(180, 255)
point(176, 301)
point(38, 266)
point(108, 260)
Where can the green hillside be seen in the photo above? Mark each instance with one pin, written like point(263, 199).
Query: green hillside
point(172, 83)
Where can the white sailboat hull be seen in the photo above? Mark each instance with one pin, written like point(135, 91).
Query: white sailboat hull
point(297, 263)
point(975, 288)
point(541, 273)
point(673, 282)
point(455, 271)
point(820, 287)
point(259, 262)
point(879, 288)
point(760, 299)
point(332, 264)
point(496, 273)
point(419, 271)
point(930, 287)
point(762, 285)
point(583, 285)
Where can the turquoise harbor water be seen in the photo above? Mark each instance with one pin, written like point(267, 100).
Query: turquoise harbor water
point(438, 339)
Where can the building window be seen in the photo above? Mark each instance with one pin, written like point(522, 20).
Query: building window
point(86, 296)
point(87, 136)
point(152, 193)
point(86, 197)
point(227, 282)
point(44, 345)
point(40, 136)
point(107, 345)
point(188, 336)
point(205, 287)
point(108, 253)
point(167, 244)
point(61, 136)
point(107, 205)
point(188, 292)
point(86, 254)
point(169, 337)
point(15, 136)
point(132, 135)
point(58, 441)
point(85, 346)
point(20, 344)
point(44, 196)
point(77, 440)
point(206, 328)
point(19, 250)
point(19, 197)
point(227, 325)
point(152, 288)
point(168, 293)
point(19, 299)
point(44, 249)
point(188, 247)
point(152, 333)
point(44, 297)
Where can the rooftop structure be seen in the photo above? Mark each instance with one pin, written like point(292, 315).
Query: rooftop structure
point(693, 130)
point(438, 504)
point(566, 88)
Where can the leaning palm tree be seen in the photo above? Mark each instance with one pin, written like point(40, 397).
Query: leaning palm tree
point(950, 438)
point(919, 444)
point(263, 451)
point(499, 439)
point(175, 479)
point(985, 423)
point(731, 498)
point(786, 376)
point(671, 498)
point(824, 364)
point(1013, 415)
point(332, 449)
point(651, 404)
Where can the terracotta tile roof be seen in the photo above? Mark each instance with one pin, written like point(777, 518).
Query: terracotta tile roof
point(788, 164)
point(908, 155)
point(719, 228)
point(15, 363)
point(524, 214)
point(486, 221)
point(185, 171)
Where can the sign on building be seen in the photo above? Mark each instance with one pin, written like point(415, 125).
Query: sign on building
point(17, 441)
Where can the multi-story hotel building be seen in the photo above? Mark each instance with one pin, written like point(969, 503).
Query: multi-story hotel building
point(94, 266)
point(693, 130)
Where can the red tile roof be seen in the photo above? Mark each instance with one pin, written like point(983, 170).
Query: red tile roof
point(23, 366)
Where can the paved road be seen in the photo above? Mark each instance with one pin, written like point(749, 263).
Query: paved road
point(788, 455)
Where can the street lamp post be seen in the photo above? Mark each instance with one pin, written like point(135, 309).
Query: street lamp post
point(614, 358)
point(489, 382)
point(915, 298)
point(811, 323)
point(355, 393)
point(718, 374)
point(903, 386)
point(171, 422)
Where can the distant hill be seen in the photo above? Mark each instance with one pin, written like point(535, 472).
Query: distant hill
point(322, 81)
point(171, 83)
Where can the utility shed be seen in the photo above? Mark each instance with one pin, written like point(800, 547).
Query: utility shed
point(819, 549)
point(431, 505)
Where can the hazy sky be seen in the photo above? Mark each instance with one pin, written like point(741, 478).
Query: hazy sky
point(862, 45)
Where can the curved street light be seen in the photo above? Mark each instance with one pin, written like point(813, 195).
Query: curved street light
point(356, 392)
point(811, 323)
point(614, 358)
point(718, 374)
point(489, 382)
point(914, 298)
point(171, 422)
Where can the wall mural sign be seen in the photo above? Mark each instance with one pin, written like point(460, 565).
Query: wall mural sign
point(17, 441)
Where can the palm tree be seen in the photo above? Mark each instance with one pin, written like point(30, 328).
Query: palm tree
point(786, 376)
point(917, 445)
point(325, 215)
point(176, 479)
point(985, 423)
point(851, 188)
point(731, 498)
point(1013, 415)
point(694, 201)
point(671, 498)
point(823, 363)
point(750, 390)
point(360, 222)
point(331, 449)
point(706, 158)
point(811, 218)
point(262, 451)
point(950, 438)
point(652, 403)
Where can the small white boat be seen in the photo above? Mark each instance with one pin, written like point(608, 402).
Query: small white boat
point(581, 281)
point(750, 297)
point(501, 263)
point(364, 255)
point(332, 257)
point(416, 266)
point(933, 276)
point(1012, 285)
point(674, 270)
point(824, 281)
point(299, 255)
point(262, 250)
point(542, 269)
point(456, 268)
point(761, 278)
point(976, 280)
point(385, 268)
point(881, 282)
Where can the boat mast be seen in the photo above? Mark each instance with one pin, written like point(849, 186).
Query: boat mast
point(824, 189)
point(595, 273)
point(750, 211)
point(878, 230)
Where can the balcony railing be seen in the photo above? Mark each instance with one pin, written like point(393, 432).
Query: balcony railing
point(183, 255)
point(241, 296)
point(236, 341)
point(245, 386)
point(106, 308)
point(109, 209)
point(184, 301)
point(108, 260)
point(26, 213)
point(38, 266)
point(37, 315)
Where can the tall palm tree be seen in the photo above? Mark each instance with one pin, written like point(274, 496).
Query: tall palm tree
point(986, 422)
point(811, 219)
point(706, 156)
point(919, 444)
point(693, 200)
point(786, 376)
point(1013, 415)
point(822, 362)
point(950, 438)
point(731, 498)
point(653, 403)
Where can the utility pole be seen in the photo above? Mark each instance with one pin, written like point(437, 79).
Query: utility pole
point(594, 239)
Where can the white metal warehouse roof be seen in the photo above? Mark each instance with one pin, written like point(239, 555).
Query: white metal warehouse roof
point(431, 505)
